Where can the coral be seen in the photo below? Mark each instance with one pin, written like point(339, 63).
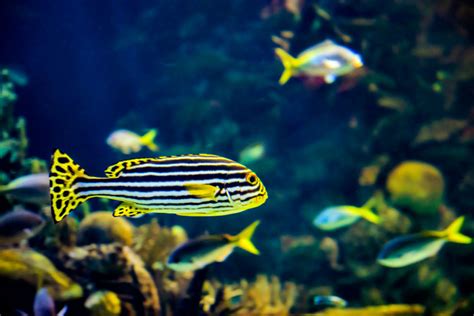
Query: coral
point(416, 185)
point(102, 228)
point(392, 310)
point(34, 268)
point(103, 303)
point(154, 243)
point(440, 130)
point(267, 297)
point(263, 297)
point(331, 249)
point(117, 268)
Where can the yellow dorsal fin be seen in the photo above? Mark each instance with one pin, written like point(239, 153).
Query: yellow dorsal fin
point(202, 191)
point(242, 240)
point(149, 140)
point(116, 170)
point(452, 232)
point(129, 210)
point(290, 64)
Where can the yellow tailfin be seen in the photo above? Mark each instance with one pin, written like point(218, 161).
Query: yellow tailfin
point(62, 175)
point(149, 140)
point(289, 62)
point(243, 241)
point(452, 232)
point(367, 214)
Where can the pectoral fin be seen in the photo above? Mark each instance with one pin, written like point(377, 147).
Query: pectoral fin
point(129, 210)
point(202, 191)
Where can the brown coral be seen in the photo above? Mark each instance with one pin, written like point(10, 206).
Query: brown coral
point(103, 228)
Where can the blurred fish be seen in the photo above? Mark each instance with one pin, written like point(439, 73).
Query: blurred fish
point(198, 253)
point(329, 301)
point(327, 60)
point(336, 217)
point(128, 142)
point(16, 75)
point(405, 250)
point(18, 225)
point(188, 185)
point(252, 153)
point(33, 188)
point(44, 305)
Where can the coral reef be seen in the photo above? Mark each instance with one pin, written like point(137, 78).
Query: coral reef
point(117, 268)
point(416, 185)
point(102, 228)
point(403, 123)
point(265, 296)
point(34, 268)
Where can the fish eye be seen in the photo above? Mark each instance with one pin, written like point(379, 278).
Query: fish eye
point(251, 178)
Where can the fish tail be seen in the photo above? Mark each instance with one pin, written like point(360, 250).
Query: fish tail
point(452, 232)
point(149, 140)
point(369, 215)
point(289, 62)
point(64, 172)
point(243, 241)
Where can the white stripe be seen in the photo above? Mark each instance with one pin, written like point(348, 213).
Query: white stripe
point(197, 164)
point(182, 173)
point(161, 184)
point(134, 197)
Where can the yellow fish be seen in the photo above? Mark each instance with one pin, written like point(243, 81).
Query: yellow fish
point(187, 185)
point(200, 252)
point(327, 60)
point(408, 249)
point(128, 142)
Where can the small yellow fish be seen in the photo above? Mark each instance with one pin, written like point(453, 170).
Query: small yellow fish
point(327, 60)
point(128, 142)
point(198, 253)
point(336, 217)
point(405, 250)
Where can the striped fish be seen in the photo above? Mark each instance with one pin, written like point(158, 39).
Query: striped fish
point(188, 185)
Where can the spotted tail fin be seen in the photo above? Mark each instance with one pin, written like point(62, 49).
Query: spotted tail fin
point(62, 175)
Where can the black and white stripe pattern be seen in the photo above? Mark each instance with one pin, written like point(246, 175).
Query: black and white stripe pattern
point(159, 185)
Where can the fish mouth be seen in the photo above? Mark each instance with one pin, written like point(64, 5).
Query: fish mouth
point(357, 63)
point(261, 197)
